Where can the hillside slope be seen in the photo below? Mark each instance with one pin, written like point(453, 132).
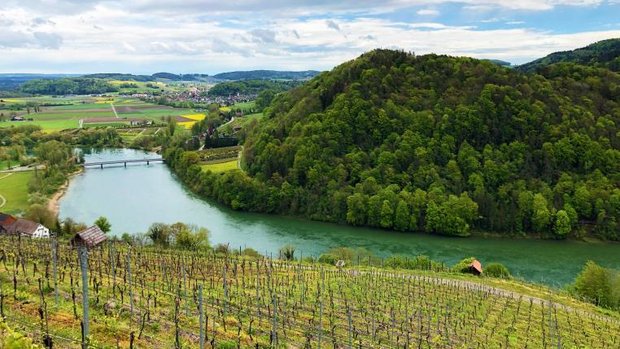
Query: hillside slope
point(604, 53)
point(155, 297)
point(438, 144)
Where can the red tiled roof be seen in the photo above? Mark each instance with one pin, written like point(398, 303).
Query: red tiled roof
point(91, 236)
point(6, 220)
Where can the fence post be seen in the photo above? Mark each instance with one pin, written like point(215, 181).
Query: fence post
point(201, 317)
point(55, 267)
point(83, 253)
point(321, 306)
point(130, 287)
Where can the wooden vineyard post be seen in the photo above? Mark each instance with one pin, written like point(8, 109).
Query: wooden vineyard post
point(112, 253)
point(274, 329)
point(201, 317)
point(55, 268)
point(129, 283)
point(321, 285)
point(83, 253)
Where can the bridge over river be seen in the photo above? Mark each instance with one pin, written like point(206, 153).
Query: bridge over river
point(124, 162)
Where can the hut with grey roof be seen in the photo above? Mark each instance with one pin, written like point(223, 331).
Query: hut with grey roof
point(90, 237)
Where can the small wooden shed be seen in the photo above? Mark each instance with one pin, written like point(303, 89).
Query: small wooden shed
point(90, 237)
point(475, 267)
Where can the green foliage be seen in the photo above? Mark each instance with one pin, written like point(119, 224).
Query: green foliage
point(598, 285)
point(418, 262)
point(351, 256)
point(497, 270)
point(287, 252)
point(463, 266)
point(13, 340)
point(455, 144)
point(179, 235)
point(562, 224)
point(68, 86)
point(103, 224)
point(247, 87)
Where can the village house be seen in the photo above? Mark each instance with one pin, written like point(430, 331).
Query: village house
point(10, 225)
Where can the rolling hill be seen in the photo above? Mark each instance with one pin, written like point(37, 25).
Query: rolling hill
point(604, 53)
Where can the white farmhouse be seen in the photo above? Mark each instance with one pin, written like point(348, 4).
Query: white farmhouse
point(28, 228)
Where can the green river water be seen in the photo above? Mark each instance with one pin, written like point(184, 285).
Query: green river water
point(133, 198)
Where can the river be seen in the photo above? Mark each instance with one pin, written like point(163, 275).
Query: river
point(133, 198)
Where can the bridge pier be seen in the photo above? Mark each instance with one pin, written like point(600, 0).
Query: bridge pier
point(102, 166)
point(147, 162)
point(125, 164)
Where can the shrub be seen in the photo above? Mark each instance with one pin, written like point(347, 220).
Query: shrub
point(351, 256)
point(417, 263)
point(250, 252)
point(598, 285)
point(497, 270)
point(287, 252)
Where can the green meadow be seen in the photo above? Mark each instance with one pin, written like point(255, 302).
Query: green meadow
point(14, 191)
point(221, 165)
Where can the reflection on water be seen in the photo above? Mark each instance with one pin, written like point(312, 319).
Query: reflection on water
point(133, 198)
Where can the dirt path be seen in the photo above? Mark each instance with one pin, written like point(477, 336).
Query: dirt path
point(2, 198)
point(114, 110)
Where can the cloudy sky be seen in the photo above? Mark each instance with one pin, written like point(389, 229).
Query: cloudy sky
point(207, 36)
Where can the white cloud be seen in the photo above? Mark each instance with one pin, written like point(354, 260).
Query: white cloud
point(428, 12)
point(111, 36)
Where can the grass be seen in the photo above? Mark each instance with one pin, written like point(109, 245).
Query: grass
point(47, 125)
point(220, 166)
point(241, 121)
point(14, 189)
point(248, 300)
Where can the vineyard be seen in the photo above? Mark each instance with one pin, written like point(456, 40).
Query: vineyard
point(117, 296)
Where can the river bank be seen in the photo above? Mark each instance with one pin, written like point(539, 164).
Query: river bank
point(53, 205)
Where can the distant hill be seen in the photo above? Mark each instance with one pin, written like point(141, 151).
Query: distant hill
point(13, 81)
point(120, 76)
point(499, 62)
point(604, 53)
point(267, 74)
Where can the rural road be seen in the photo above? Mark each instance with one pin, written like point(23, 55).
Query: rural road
point(22, 169)
point(114, 110)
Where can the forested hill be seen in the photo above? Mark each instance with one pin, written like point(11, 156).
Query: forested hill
point(267, 74)
point(604, 53)
point(438, 144)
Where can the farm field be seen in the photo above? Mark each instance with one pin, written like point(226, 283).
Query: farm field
point(14, 191)
point(100, 109)
point(218, 166)
point(169, 298)
point(188, 120)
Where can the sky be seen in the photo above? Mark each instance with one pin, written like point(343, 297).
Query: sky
point(207, 36)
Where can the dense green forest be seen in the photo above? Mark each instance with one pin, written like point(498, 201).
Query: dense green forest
point(604, 53)
point(67, 86)
point(247, 87)
point(438, 144)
